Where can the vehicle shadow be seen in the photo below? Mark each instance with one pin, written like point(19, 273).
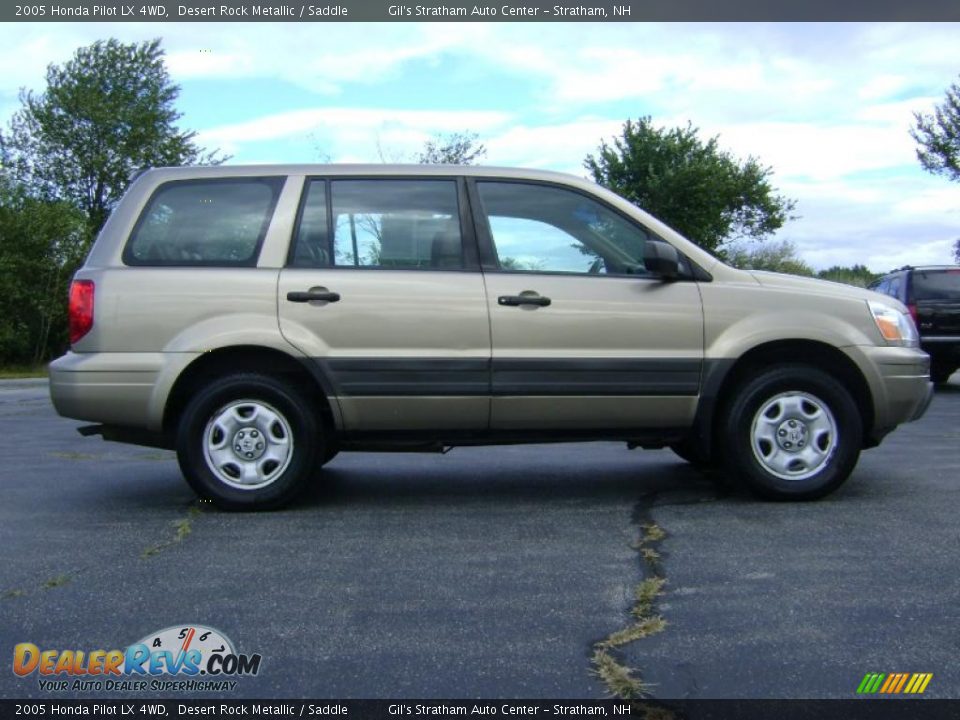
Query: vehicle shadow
point(352, 482)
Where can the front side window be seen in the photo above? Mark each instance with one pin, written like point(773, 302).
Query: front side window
point(541, 228)
point(204, 222)
point(396, 224)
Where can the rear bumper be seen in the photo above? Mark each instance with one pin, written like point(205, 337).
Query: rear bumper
point(941, 346)
point(122, 389)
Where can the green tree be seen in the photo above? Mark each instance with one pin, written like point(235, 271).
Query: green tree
point(459, 148)
point(859, 275)
point(956, 251)
point(690, 184)
point(41, 245)
point(106, 113)
point(938, 136)
point(775, 257)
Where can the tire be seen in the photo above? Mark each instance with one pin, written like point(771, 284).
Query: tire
point(940, 374)
point(772, 416)
point(692, 453)
point(249, 442)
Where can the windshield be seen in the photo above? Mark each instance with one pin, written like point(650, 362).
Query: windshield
point(936, 284)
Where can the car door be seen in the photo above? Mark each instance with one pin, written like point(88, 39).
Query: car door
point(384, 294)
point(582, 336)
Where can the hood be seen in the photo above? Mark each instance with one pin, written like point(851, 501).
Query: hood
point(820, 287)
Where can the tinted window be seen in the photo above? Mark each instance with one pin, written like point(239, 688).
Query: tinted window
point(936, 284)
point(211, 222)
point(539, 228)
point(893, 286)
point(311, 246)
point(409, 224)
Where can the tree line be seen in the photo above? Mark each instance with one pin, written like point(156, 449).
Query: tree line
point(70, 152)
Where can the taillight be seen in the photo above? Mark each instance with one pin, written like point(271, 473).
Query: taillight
point(81, 309)
point(913, 313)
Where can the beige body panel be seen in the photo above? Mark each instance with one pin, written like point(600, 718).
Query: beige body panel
point(593, 319)
point(391, 315)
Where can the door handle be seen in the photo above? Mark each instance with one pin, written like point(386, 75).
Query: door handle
point(517, 300)
point(298, 296)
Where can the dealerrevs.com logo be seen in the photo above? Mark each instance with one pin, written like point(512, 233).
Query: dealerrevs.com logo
point(184, 658)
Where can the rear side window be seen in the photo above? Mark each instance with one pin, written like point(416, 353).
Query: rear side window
point(936, 285)
point(204, 222)
point(396, 224)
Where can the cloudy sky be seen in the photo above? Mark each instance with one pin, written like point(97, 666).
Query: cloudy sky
point(827, 106)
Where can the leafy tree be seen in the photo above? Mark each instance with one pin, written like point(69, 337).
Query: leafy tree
point(956, 251)
point(938, 136)
point(691, 184)
point(41, 245)
point(775, 257)
point(858, 275)
point(105, 113)
point(459, 148)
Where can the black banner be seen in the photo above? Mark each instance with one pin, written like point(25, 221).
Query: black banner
point(466, 11)
point(858, 709)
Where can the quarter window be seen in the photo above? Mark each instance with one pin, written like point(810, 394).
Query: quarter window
point(539, 228)
point(311, 246)
point(403, 224)
point(209, 222)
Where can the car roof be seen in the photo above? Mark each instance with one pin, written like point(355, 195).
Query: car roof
point(365, 170)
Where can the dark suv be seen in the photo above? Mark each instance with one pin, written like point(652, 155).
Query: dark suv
point(932, 294)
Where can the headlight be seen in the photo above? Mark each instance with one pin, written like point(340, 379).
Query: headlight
point(896, 327)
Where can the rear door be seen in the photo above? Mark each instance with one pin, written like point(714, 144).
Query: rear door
point(583, 337)
point(935, 293)
point(382, 289)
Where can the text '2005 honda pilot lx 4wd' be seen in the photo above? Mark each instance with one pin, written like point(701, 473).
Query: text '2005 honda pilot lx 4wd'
point(261, 319)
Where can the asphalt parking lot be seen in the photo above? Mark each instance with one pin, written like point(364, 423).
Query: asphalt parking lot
point(489, 572)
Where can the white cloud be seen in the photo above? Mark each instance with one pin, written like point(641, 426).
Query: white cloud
point(341, 131)
point(828, 106)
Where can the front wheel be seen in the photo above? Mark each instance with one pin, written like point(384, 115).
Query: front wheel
point(792, 433)
point(249, 442)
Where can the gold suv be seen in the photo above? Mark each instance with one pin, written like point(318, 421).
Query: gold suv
point(261, 319)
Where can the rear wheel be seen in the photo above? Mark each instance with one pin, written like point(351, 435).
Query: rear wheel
point(792, 433)
point(249, 442)
point(940, 373)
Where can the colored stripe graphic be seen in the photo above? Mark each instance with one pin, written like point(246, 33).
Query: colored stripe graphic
point(894, 683)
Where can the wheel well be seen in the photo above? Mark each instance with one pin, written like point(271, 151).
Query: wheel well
point(810, 352)
point(243, 358)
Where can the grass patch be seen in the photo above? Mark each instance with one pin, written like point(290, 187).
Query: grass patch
point(13, 594)
point(637, 631)
point(20, 372)
point(622, 681)
point(71, 455)
point(619, 679)
point(181, 528)
point(55, 582)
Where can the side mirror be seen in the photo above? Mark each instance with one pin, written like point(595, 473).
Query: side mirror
point(661, 259)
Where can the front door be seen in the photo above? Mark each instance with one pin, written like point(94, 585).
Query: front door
point(583, 337)
point(382, 292)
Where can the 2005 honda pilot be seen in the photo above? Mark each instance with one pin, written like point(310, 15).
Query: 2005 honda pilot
point(261, 319)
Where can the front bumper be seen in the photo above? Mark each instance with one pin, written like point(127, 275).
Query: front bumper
point(899, 380)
